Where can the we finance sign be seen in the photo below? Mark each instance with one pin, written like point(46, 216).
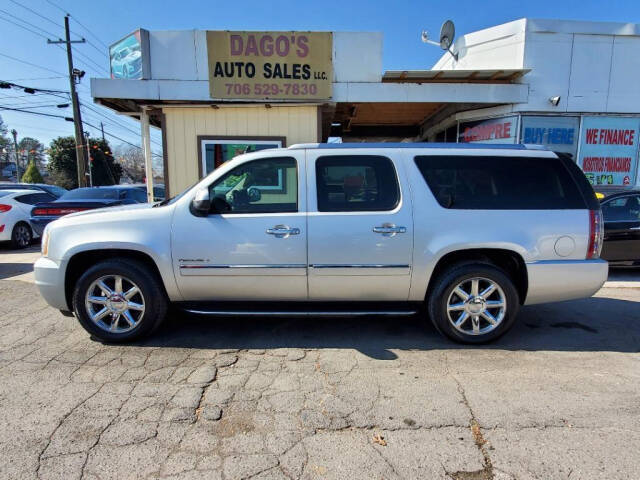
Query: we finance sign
point(270, 65)
point(609, 149)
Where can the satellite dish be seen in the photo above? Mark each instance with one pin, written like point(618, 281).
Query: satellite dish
point(447, 34)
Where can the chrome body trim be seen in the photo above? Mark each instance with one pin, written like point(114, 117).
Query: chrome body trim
point(222, 266)
point(292, 265)
point(355, 265)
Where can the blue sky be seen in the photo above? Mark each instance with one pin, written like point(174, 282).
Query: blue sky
point(400, 21)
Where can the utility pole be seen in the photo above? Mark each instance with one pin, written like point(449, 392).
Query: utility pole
point(102, 130)
point(86, 136)
point(14, 132)
point(77, 119)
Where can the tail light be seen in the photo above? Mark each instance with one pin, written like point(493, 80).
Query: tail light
point(596, 232)
point(4, 208)
point(56, 212)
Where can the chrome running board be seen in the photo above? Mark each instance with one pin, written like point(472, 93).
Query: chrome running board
point(309, 313)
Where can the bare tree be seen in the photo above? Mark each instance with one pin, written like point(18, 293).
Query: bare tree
point(132, 161)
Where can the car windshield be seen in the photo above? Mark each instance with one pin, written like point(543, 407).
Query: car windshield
point(91, 194)
point(55, 190)
point(172, 200)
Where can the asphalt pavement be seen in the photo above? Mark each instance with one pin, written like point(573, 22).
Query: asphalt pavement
point(556, 398)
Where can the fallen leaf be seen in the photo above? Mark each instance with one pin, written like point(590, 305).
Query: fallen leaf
point(379, 439)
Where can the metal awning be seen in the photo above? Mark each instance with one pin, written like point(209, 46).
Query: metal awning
point(453, 76)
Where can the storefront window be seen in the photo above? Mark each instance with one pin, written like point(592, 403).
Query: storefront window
point(559, 134)
point(609, 149)
point(495, 130)
point(215, 152)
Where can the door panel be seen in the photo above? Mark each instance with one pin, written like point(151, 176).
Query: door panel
point(246, 256)
point(358, 254)
point(621, 229)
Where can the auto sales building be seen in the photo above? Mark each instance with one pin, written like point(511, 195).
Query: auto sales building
point(570, 85)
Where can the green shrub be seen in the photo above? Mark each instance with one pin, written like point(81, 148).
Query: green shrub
point(32, 175)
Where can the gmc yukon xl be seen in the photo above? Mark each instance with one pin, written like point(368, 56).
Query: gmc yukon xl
point(460, 234)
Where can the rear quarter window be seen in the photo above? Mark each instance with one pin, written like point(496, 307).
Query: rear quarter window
point(33, 198)
point(500, 183)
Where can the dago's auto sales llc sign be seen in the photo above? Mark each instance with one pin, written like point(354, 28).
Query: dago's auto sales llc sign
point(609, 149)
point(270, 65)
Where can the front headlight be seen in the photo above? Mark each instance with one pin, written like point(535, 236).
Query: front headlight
point(45, 241)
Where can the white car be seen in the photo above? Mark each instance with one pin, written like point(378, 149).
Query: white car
point(15, 210)
point(463, 235)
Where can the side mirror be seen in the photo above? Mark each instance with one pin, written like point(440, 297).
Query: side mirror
point(220, 204)
point(201, 204)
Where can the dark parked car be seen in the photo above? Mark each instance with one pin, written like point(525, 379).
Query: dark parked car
point(158, 190)
point(54, 190)
point(621, 212)
point(82, 199)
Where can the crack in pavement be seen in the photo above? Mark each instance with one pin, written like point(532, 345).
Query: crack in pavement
point(485, 473)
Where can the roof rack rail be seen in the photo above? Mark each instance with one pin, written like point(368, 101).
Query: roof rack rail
point(461, 146)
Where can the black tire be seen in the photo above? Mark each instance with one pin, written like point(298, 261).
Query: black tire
point(443, 289)
point(151, 290)
point(21, 235)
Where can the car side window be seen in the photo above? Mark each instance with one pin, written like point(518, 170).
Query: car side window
point(33, 198)
point(354, 183)
point(139, 196)
point(268, 185)
point(499, 182)
point(622, 209)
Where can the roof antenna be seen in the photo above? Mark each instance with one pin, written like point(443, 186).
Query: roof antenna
point(447, 34)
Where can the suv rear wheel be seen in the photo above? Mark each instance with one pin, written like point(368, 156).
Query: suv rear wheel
point(119, 300)
point(473, 303)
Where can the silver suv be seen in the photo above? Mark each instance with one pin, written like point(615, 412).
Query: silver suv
point(471, 232)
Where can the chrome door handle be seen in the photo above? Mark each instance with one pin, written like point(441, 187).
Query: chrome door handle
point(389, 229)
point(634, 228)
point(283, 231)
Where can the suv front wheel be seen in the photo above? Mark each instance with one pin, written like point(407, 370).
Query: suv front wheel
point(473, 303)
point(119, 300)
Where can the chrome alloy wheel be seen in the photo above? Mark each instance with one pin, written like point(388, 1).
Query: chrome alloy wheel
point(114, 303)
point(476, 306)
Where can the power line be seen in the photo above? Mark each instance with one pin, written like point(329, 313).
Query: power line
point(30, 64)
point(113, 122)
point(36, 13)
point(54, 23)
point(123, 140)
point(44, 129)
point(85, 59)
point(58, 7)
point(88, 59)
point(32, 79)
point(77, 21)
point(25, 102)
point(28, 23)
point(23, 27)
point(69, 119)
point(101, 52)
point(30, 95)
point(26, 106)
point(89, 31)
point(35, 89)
